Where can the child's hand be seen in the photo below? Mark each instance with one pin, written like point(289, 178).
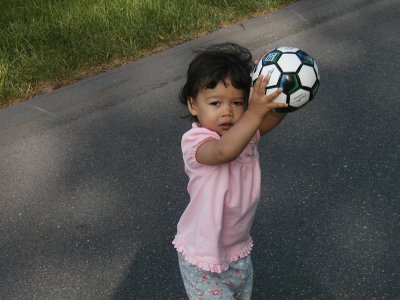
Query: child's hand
point(261, 104)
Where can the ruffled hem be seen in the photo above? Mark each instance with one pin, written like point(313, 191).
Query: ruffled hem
point(215, 268)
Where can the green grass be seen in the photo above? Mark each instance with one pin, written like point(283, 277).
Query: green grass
point(48, 43)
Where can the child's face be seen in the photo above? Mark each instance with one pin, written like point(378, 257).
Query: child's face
point(218, 109)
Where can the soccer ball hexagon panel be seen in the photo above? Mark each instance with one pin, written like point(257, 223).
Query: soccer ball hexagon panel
point(294, 71)
point(308, 76)
point(289, 62)
point(273, 72)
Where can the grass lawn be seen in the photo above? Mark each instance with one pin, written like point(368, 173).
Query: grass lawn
point(45, 44)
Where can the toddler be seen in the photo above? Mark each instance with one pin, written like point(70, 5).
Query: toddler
point(222, 162)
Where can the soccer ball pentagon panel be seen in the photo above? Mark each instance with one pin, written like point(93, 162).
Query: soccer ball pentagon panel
point(292, 70)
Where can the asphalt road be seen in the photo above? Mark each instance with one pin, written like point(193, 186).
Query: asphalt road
point(92, 182)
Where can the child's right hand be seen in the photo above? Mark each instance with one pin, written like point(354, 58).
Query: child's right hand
point(259, 103)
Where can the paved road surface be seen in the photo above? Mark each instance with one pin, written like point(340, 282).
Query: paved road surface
point(92, 182)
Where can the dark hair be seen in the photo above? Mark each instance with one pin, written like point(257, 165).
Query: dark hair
point(215, 64)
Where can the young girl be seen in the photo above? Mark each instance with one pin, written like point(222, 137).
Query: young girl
point(222, 163)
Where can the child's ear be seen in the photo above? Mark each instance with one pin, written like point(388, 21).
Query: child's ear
point(192, 106)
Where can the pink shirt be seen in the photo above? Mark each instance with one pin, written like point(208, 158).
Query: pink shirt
point(214, 229)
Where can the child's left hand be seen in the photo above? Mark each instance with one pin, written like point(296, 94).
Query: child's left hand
point(261, 104)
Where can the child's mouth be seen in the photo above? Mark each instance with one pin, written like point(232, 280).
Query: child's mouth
point(225, 126)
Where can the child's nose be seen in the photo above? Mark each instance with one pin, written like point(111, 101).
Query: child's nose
point(228, 110)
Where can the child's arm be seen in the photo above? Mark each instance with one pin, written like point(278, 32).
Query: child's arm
point(273, 118)
point(270, 121)
point(233, 142)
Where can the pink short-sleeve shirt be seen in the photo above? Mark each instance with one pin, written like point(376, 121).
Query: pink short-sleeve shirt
point(214, 229)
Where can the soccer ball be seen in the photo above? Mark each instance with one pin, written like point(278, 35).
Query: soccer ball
point(294, 71)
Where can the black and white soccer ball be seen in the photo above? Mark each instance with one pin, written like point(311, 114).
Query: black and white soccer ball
point(294, 71)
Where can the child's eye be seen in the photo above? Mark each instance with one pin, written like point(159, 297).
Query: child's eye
point(238, 103)
point(215, 103)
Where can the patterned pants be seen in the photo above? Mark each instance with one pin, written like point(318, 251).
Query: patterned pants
point(235, 283)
